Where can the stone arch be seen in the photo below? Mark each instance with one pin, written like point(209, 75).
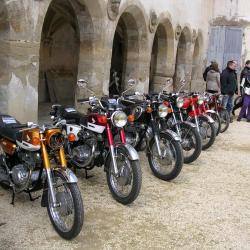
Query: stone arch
point(62, 60)
point(183, 65)
point(4, 57)
point(162, 56)
point(130, 47)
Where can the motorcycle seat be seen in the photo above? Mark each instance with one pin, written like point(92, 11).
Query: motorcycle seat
point(10, 133)
point(9, 127)
point(75, 117)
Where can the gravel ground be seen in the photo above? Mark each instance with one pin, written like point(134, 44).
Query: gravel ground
point(206, 207)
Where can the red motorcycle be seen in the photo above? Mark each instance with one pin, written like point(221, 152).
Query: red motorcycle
point(205, 109)
point(214, 102)
point(192, 112)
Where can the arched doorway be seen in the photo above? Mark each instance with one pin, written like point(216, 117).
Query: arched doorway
point(128, 52)
point(183, 66)
point(162, 56)
point(59, 55)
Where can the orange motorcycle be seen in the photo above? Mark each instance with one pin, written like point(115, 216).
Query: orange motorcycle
point(32, 158)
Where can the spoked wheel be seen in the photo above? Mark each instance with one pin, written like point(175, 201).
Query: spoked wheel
point(67, 216)
point(225, 120)
point(190, 142)
point(207, 132)
point(126, 186)
point(217, 122)
point(169, 164)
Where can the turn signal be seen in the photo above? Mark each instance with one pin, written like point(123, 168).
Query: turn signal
point(102, 119)
point(149, 110)
point(170, 110)
point(35, 141)
point(71, 137)
point(131, 118)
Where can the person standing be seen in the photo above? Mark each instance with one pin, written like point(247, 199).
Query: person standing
point(213, 79)
point(207, 69)
point(245, 91)
point(228, 81)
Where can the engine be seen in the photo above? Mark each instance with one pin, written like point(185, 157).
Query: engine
point(27, 171)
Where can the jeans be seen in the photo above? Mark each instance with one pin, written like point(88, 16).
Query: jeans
point(227, 103)
point(245, 108)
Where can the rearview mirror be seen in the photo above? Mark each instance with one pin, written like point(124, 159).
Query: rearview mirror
point(82, 83)
point(131, 82)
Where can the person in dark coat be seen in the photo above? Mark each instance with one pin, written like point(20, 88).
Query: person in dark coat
point(229, 85)
point(245, 92)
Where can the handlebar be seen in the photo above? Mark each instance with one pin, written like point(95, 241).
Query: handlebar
point(83, 100)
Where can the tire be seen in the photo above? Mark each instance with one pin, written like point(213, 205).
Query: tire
point(135, 169)
point(78, 217)
point(217, 120)
point(225, 120)
point(210, 142)
point(190, 132)
point(176, 151)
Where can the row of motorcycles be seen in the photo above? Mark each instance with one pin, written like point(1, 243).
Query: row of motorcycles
point(171, 128)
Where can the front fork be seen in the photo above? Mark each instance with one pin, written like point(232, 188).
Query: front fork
point(47, 166)
point(156, 135)
point(196, 118)
point(112, 148)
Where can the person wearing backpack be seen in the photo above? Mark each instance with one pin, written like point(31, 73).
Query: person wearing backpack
point(245, 92)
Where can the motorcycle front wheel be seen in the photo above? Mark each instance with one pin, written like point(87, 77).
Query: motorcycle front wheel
point(124, 187)
point(190, 142)
point(217, 122)
point(225, 120)
point(207, 132)
point(169, 165)
point(67, 217)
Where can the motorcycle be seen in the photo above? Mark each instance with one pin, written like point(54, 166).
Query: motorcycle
point(214, 102)
point(32, 158)
point(205, 124)
point(205, 109)
point(91, 143)
point(187, 131)
point(163, 148)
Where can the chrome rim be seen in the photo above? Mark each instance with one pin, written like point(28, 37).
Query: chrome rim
point(187, 142)
point(205, 131)
point(62, 215)
point(123, 183)
point(165, 164)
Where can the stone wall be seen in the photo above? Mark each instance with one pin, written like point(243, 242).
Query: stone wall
point(72, 39)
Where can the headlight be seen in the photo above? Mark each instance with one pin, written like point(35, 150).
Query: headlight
point(200, 100)
point(206, 99)
point(179, 102)
point(119, 119)
point(163, 110)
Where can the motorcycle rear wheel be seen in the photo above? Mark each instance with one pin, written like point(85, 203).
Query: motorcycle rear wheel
point(71, 205)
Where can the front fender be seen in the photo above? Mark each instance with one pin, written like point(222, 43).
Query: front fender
point(210, 119)
point(68, 174)
point(190, 124)
point(173, 134)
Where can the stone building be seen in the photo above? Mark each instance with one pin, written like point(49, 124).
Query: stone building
point(46, 45)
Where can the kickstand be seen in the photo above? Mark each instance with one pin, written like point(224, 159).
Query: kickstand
point(86, 174)
point(13, 198)
point(33, 199)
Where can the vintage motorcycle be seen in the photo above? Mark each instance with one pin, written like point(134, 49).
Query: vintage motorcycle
point(31, 159)
point(205, 124)
point(163, 148)
point(91, 143)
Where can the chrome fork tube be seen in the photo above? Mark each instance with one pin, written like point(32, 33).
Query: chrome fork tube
point(51, 188)
point(112, 152)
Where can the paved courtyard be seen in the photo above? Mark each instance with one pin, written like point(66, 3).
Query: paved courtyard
point(206, 207)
